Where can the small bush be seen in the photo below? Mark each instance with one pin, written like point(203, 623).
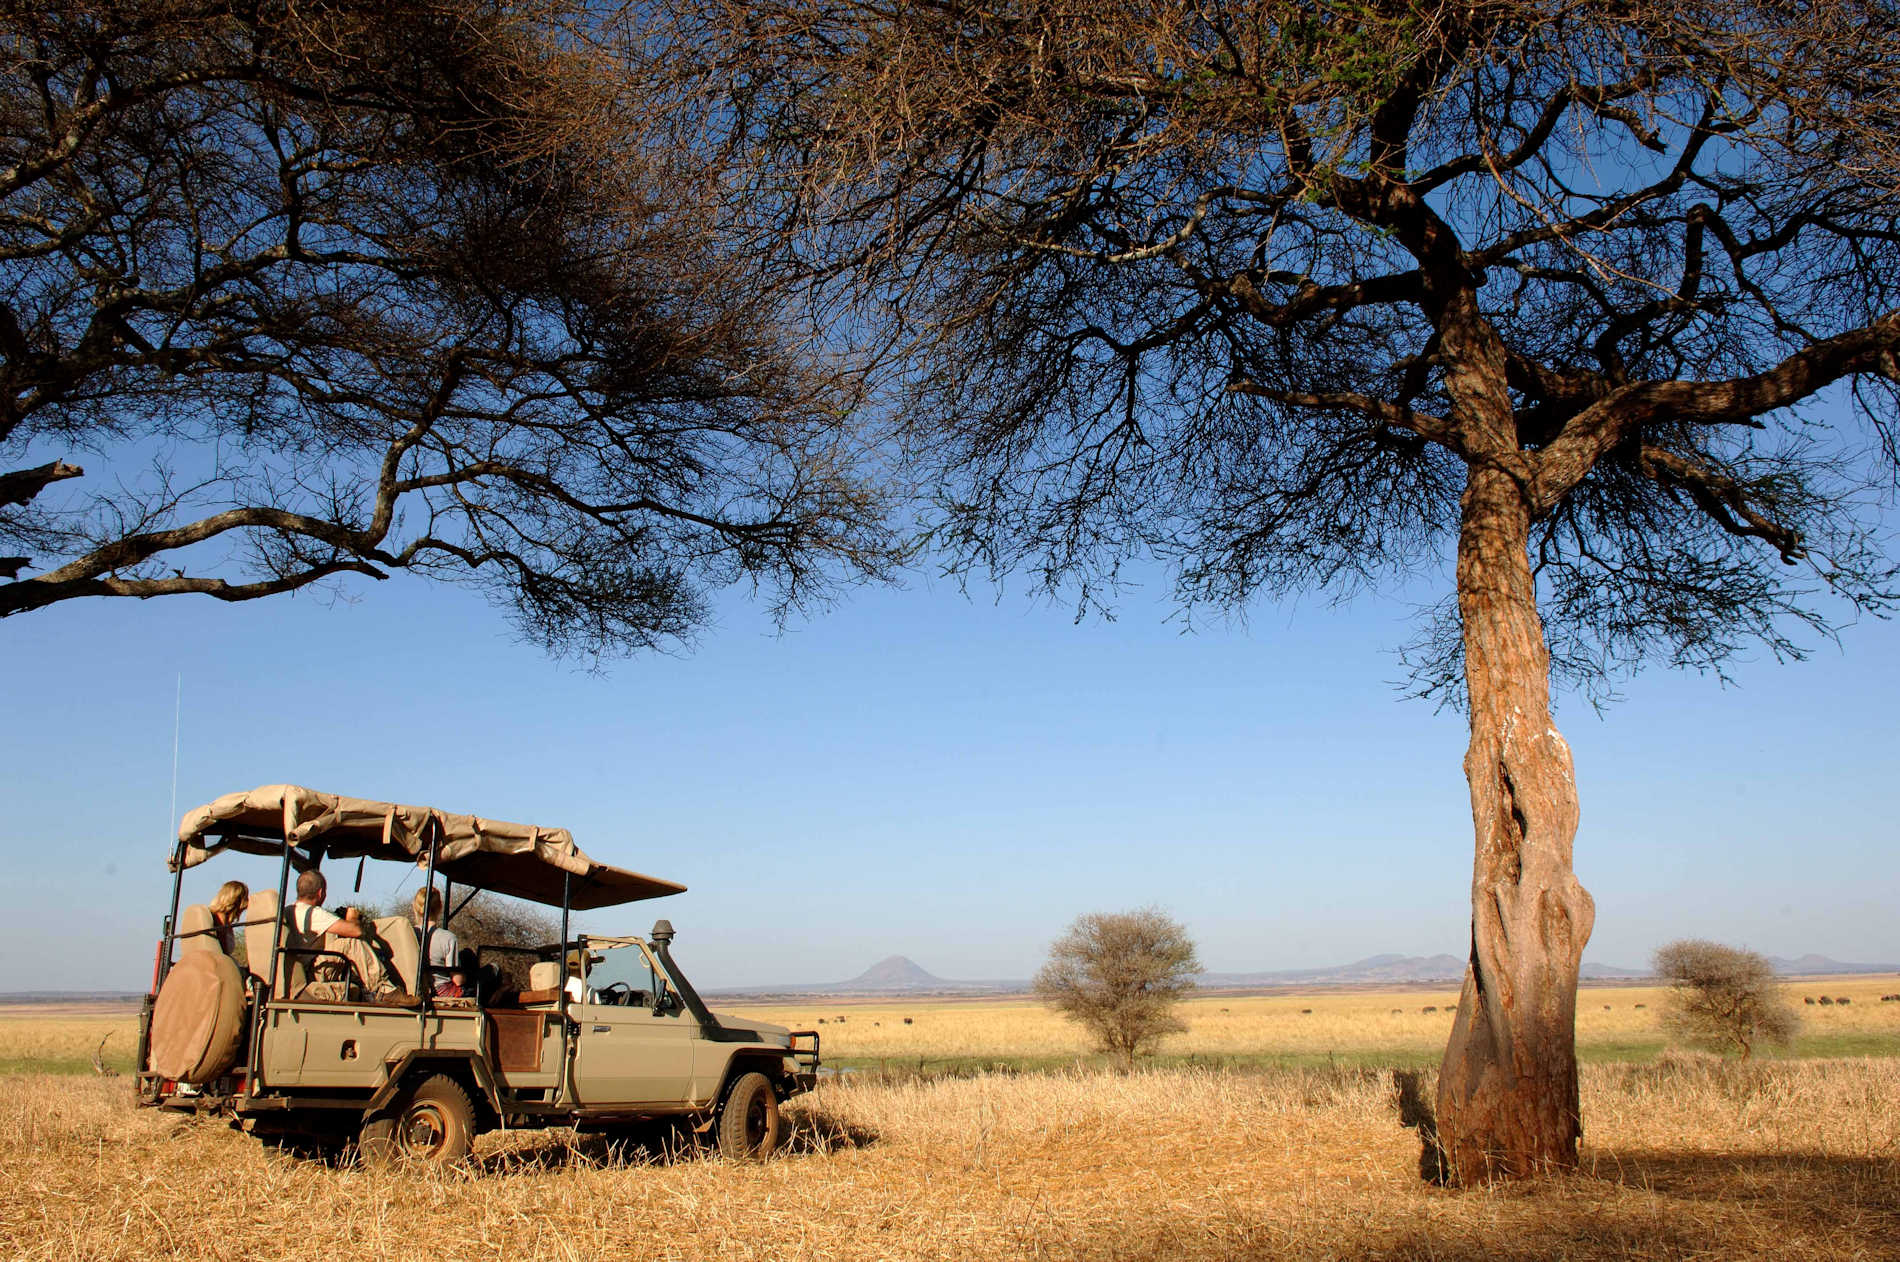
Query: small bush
point(1724, 997)
point(1120, 975)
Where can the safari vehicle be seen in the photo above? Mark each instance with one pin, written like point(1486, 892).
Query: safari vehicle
point(302, 1053)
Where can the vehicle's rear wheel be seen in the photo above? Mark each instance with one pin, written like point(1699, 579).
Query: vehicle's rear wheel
point(749, 1122)
point(433, 1122)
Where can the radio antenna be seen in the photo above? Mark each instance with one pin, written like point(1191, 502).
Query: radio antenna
point(178, 705)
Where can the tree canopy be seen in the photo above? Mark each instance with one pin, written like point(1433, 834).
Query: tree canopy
point(1120, 975)
point(1600, 303)
point(1192, 279)
point(321, 289)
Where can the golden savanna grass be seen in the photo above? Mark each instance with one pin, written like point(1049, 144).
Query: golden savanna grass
point(1344, 1021)
point(1685, 1157)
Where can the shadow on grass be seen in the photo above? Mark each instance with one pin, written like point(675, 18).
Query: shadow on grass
point(1621, 1206)
point(808, 1132)
point(1811, 1191)
point(821, 1131)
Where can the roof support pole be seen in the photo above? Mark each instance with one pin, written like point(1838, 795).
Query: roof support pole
point(425, 974)
point(171, 921)
point(260, 1018)
point(565, 1091)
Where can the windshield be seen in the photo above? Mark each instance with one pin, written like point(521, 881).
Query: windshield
point(623, 962)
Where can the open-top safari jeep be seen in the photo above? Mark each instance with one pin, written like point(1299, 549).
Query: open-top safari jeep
point(304, 1054)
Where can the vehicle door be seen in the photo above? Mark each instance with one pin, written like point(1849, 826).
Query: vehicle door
point(626, 1053)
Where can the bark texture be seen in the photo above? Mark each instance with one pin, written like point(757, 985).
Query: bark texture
point(1507, 1091)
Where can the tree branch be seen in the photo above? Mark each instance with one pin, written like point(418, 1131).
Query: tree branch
point(22, 486)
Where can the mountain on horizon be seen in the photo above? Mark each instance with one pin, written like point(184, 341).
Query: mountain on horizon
point(1386, 967)
point(895, 972)
point(1812, 965)
point(901, 975)
point(892, 975)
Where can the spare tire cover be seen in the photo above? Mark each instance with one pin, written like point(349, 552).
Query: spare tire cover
point(198, 1018)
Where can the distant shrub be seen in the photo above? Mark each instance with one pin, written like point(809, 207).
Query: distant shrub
point(1723, 996)
point(1120, 975)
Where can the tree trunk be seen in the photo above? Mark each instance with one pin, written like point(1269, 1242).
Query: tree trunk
point(1507, 1092)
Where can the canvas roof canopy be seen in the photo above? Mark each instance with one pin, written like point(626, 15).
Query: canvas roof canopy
point(519, 860)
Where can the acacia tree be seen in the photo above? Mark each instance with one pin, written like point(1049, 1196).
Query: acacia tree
point(1120, 975)
point(1600, 300)
point(1723, 996)
point(346, 287)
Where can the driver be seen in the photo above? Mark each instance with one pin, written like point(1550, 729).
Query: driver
point(578, 964)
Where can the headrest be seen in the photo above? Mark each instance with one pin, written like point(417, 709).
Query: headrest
point(257, 922)
point(196, 920)
point(405, 952)
point(544, 975)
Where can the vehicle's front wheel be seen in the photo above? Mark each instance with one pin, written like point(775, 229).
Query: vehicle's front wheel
point(749, 1122)
point(432, 1122)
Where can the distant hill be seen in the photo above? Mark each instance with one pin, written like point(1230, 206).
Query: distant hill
point(1382, 968)
point(1374, 968)
point(896, 972)
point(900, 975)
point(893, 975)
point(1821, 966)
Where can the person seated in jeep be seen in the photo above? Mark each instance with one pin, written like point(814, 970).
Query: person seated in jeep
point(312, 928)
point(443, 956)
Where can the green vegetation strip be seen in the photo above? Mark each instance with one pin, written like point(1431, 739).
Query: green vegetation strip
point(62, 1064)
point(1630, 1051)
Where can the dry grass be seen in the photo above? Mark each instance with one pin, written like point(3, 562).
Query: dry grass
point(1690, 1158)
point(66, 1042)
point(1686, 1157)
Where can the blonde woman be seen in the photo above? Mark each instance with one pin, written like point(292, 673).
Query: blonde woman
point(226, 907)
point(442, 945)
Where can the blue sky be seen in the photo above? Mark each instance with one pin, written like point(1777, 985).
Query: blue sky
point(924, 773)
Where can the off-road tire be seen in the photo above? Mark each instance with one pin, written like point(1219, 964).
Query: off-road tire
point(750, 1127)
point(434, 1122)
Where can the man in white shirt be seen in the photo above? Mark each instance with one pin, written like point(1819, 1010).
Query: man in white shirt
point(312, 928)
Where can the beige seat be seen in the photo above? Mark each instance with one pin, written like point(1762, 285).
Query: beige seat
point(196, 930)
point(258, 938)
point(544, 975)
point(405, 951)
